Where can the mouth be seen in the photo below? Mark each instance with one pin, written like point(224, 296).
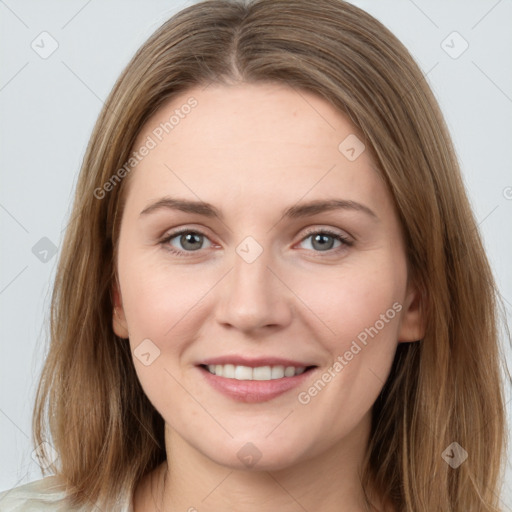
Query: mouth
point(252, 384)
point(260, 373)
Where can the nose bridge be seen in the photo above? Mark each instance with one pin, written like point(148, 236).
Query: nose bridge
point(252, 296)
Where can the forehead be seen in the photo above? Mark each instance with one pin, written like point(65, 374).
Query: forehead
point(252, 140)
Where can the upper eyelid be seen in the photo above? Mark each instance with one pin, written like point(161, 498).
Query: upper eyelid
point(173, 234)
point(309, 231)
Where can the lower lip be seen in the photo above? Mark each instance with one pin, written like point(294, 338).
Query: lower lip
point(252, 391)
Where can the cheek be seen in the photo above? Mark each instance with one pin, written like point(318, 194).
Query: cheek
point(160, 303)
point(362, 306)
point(158, 297)
point(349, 302)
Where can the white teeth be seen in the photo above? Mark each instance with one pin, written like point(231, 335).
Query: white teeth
point(277, 372)
point(289, 371)
point(242, 373)
point(262, 373)
point(231, 371)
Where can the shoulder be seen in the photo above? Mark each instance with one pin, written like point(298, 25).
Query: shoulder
point(48, 495)
point(45, 495)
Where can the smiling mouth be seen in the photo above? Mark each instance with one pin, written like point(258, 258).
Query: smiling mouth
point(258, 373)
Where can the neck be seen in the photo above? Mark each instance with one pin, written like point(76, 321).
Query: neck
point(192, 482)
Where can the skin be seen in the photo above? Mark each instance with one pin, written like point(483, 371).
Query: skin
point(252, 151)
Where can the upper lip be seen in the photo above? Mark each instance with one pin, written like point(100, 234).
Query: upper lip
point(254, 362)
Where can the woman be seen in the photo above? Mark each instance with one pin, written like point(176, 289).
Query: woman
point(283, 298)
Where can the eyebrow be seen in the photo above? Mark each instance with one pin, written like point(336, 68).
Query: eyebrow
point(294, 212)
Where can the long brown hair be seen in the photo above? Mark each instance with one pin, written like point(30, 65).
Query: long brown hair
point(442, 389)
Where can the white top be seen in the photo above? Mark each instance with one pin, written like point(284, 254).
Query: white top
point(46, 495)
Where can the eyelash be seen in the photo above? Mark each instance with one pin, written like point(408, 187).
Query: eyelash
point(345, 241)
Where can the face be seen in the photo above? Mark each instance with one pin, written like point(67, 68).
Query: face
point(254, 242)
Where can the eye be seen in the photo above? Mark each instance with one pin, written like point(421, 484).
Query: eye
point(325, 240)
point(319, 240)
point(185, 241)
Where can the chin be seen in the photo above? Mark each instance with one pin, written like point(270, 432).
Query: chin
point(257, 455)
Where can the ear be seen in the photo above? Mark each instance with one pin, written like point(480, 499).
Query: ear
point(118, 317)
point(412, 322)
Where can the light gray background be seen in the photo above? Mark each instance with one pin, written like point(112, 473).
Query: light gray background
point(48, 108)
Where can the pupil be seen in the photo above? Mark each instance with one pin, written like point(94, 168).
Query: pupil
point(189, 239)
point(321, 239)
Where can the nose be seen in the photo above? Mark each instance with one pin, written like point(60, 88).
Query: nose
point(254, 297)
